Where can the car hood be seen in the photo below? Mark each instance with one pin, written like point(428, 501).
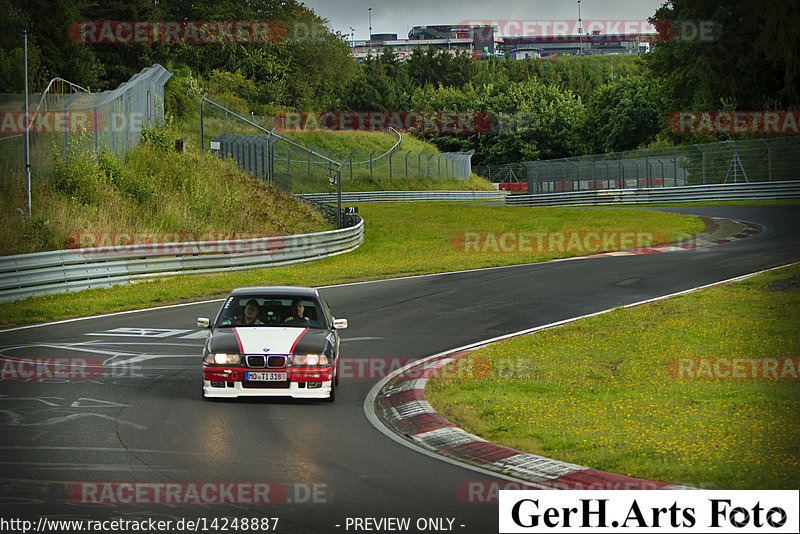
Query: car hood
point(268, 340)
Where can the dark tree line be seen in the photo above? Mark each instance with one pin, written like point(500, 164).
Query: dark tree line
point(539, 108)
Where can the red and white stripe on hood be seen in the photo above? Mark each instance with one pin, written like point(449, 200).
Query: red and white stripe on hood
point(260, 340)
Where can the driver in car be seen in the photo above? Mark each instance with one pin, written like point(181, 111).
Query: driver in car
point(296, 310)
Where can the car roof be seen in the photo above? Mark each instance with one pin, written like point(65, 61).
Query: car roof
point(283, 291)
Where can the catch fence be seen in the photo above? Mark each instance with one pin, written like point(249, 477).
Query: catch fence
point(67, 118)
point(758, 160)
point(296, 166)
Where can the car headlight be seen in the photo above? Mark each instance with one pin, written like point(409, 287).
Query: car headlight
point(306, 360)
point(221, 358)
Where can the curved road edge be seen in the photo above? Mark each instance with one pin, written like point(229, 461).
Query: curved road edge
point(718, 230)
point(397, 407)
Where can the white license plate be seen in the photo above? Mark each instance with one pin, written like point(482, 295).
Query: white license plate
point(266, 376)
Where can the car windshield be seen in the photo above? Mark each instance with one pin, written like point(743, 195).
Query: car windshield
point(260, 310)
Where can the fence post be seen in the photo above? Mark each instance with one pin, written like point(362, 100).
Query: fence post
point(351, 165)
point(309, 163)
point(390, 164)
point(703, 155)
point(407, 154)
point(769, 159)
point(288, 159)
point(675, 165)
point(370, 163)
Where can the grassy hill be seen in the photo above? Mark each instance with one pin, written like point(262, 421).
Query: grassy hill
point(154, 191)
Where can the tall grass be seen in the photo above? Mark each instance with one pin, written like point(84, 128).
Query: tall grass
point(153, 190)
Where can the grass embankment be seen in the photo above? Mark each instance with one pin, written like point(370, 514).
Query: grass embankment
point(99, 199)
point(401, 239)
point(613, 392)
point(415, 164)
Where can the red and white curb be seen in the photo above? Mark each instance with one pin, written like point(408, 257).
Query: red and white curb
point(746, 230)
point(403, 407)
point(398, 407)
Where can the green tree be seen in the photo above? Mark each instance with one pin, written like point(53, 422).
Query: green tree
point(621, 116)
point(751, 64)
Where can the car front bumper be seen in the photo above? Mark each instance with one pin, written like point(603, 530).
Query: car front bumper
point(302, 383)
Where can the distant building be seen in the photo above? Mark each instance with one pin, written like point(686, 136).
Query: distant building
point(482, 42)
point(526, 53)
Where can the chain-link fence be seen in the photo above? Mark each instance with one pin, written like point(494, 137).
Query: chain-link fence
point(363, 165)
point(253, 143)
point(65, 118)
point(761, 160)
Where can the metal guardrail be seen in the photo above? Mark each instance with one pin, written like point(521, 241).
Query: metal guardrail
point(691, 193)
point(61, 271)
point(407, 196)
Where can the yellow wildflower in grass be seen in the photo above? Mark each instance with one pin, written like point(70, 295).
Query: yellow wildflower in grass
point(599, 392)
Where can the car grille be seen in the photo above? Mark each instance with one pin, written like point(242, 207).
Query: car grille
point(259, 361)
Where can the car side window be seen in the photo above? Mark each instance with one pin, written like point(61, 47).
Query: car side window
point(326, 314)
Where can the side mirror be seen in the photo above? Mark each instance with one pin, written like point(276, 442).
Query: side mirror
point(203, 322)
point(339, 324)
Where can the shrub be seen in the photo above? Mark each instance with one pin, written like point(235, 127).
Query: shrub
point(122, 180)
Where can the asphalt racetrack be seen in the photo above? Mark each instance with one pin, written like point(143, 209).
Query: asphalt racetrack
point(137, 441)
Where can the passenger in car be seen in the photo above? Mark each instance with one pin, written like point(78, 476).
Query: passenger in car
point(250, 317)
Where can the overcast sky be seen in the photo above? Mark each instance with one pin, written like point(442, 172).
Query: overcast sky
point(399, 16)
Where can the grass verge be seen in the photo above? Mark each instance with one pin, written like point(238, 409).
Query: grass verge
point(401, 239)
point(616, 393)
